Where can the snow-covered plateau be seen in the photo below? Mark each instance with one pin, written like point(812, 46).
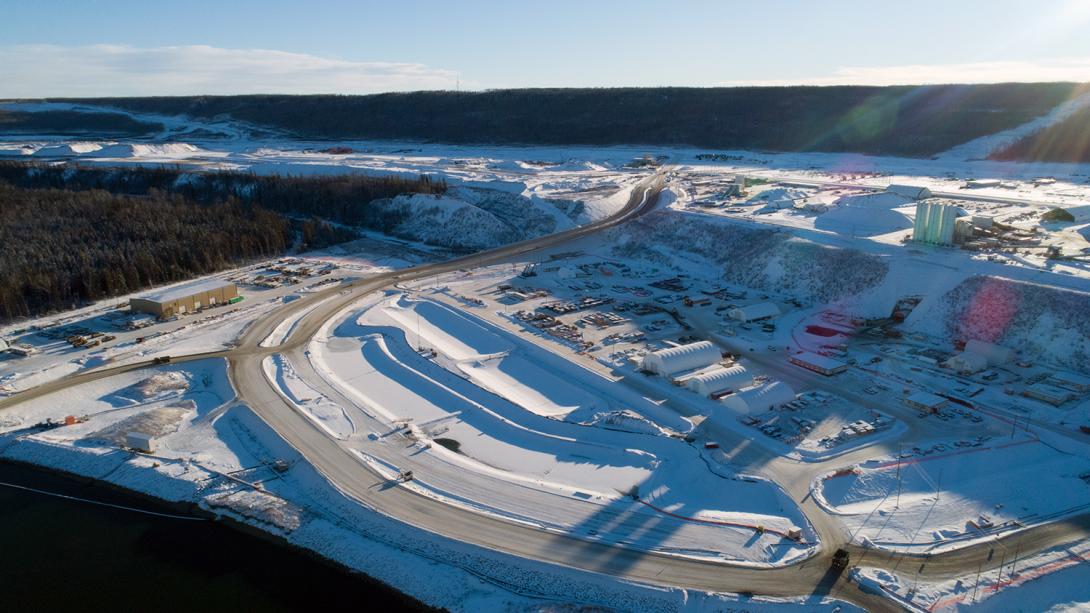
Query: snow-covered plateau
point(492, 434)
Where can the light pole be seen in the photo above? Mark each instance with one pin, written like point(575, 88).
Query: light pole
point(900, 454)
point(979, 568)
point(1002, 561)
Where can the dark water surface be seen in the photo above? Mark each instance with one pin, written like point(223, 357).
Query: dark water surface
point(62, 555)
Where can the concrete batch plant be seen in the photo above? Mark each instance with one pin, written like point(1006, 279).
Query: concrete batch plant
point(935, 222)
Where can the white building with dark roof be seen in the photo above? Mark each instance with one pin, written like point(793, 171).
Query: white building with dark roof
point(818, 363)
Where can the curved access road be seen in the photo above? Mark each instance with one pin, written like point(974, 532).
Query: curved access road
point(337, 463)
point(643, 199)
point(335, 460)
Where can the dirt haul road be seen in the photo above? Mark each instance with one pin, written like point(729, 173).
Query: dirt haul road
point(337, 463)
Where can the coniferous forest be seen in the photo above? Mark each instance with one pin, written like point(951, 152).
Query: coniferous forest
point(69, 236)
point(896, 120)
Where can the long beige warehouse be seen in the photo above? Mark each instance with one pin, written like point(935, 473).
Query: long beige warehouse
point(186, 298)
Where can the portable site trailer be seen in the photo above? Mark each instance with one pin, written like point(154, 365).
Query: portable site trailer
point(140, 441)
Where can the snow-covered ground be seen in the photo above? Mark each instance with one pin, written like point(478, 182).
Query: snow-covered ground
point(284, 329)
point(1056, 579)
point(957, 495)
point(220, 455)
point(195, 388)
point(332, 418)
point(520, 372)
point(498, 425)
point(518, 423)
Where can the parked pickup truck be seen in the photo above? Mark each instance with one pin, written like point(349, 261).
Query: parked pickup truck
point(840, 560)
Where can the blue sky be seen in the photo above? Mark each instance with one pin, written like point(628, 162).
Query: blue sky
point(126, 48)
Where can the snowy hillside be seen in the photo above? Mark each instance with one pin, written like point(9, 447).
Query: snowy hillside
point(475, 219)
point(765, 259)
point(1044, 322)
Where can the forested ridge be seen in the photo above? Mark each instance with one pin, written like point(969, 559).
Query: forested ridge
point(74, 123)
point(897, 120)
point(73, 235)
point(60, 248)
point(1064, 141)
point(340, 198)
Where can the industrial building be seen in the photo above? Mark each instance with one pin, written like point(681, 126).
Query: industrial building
point(736, 188)
point(719, 380)
point(186, 298)
point(926, 401)
point(964, 230)
point(818, 363)
point(1048, 393)
point(673, 360)
point(140, 441)
point(935, 222)
point(779, 198)
point(754, 312)
point(760, 398)
point(1072, 381)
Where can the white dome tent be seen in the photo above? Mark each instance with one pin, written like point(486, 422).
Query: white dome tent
point(761, 398)
point(681, 358)
point(720, 379)
point(912, 192)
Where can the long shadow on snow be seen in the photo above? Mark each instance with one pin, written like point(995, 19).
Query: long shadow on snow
point(530, 426)
point(427, 383)
point(623, 531)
